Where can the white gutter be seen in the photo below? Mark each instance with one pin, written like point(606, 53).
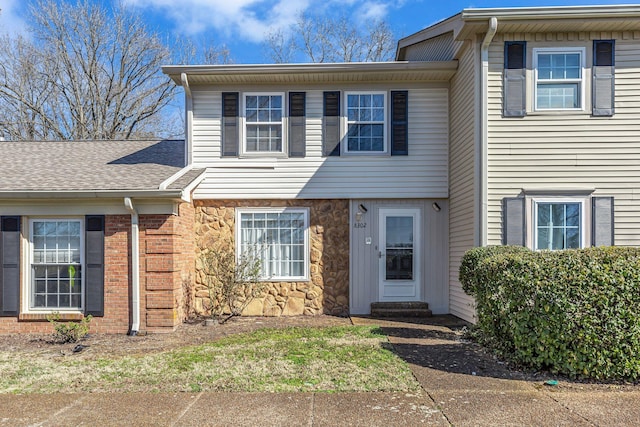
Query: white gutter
point(552, 12)
point(188, 118)
point(135, 267)
point(482, 180)
point(90, 194)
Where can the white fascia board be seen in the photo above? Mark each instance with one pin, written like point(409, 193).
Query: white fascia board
point(64, 207)
point(175, 71)
point(552, 12)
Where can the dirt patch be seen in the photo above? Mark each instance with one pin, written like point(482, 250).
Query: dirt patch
point(192, 333)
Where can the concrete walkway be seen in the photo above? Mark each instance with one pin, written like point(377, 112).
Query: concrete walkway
point(454, 393)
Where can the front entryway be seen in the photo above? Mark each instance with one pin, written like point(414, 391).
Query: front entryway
point(399, 254)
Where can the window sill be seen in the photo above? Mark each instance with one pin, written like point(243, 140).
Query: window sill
point(365, 154)
point(267, 155)
point(64, 317)
point(559, 113)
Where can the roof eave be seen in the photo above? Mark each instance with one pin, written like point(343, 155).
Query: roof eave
point(267, 70)
point(552, 12)
point(92, 194)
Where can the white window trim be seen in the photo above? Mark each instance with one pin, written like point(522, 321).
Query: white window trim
point(345, 124)
point(27, 257)
point(583, 53)
point(243, 127)
point(307, 250)
point(583, 216)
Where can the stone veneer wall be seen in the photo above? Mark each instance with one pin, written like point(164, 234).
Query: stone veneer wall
point(326, 292)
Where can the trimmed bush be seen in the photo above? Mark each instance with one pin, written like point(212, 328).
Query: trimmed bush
point(574, 312)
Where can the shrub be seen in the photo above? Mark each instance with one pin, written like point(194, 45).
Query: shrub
point(470, 261)
point(69, 331)
point(232, 282)
point(574, 312)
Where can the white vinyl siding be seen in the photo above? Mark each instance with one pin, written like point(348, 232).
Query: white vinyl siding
point(570, 150)
point(462, 214)
point(421, 174)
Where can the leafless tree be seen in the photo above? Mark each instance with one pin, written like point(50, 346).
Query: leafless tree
point(325, 39)
point(85, 73)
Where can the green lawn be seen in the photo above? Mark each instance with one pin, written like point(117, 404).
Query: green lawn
point(348, 358)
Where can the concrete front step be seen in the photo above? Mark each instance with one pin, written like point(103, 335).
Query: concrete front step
point(400, 309)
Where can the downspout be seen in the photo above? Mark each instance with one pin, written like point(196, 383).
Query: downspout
point(188, 118)
point(481, 239)
point(135, 267)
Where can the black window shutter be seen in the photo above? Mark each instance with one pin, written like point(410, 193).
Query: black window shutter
point(602, 221)
point(9, 266)
point(603, 88)
point(230, 124)
point(399, 123)
point(94, 264)
point(513, 221)
point(514, 95)
point(331, 124)
point(297, 124)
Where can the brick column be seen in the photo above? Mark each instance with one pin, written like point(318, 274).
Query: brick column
point(167, 262)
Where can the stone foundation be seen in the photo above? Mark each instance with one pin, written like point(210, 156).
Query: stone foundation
point(326, 291)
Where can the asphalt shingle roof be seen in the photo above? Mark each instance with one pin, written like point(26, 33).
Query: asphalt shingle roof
point(90, 165)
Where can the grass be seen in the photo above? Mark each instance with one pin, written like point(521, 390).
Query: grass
point(334, 359)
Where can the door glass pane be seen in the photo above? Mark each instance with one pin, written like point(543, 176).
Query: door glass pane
point(399, 248)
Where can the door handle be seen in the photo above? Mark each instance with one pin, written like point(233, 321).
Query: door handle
point(379, 254)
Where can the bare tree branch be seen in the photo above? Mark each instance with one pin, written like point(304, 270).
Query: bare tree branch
point(88, 73)
point(320, 39)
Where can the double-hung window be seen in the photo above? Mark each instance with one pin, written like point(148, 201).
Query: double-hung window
point(366, 122)
point(56, 264)
point(279, 239)
point(559, 78)
point(264, 130)
point(558, 224)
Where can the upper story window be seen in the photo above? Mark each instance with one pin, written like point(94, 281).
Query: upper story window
point(366, 122)
point(559, 78)
point(263, 123)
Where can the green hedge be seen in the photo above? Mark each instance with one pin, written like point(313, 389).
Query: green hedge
point(574, 312)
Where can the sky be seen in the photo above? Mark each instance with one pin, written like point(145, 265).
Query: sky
point(241, 25)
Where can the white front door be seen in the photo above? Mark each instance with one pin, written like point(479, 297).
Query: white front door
point(399, 255)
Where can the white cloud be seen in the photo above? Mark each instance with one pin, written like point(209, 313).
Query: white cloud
point(10, 17)
point(374, 11)
point(247, 19)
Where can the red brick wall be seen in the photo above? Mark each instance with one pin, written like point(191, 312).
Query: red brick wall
point(116, 286)
point(167, 263)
